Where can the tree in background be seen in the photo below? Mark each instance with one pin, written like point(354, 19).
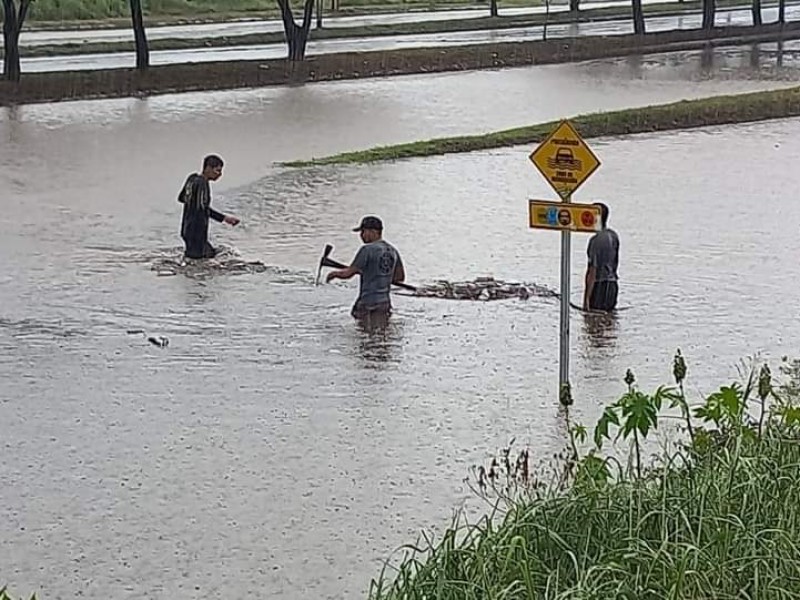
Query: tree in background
point(142, 50)
point(638, 17)
point(296, 35)
point(756, 7)
point(709, 13)
point(13, 19)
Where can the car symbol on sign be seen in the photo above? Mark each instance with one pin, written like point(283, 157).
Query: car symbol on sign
point(564, 159)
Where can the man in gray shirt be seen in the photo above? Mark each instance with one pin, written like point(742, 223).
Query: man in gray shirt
point(380, 265)
point(601, 288)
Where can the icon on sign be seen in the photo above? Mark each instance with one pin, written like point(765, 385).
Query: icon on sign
point(564, 217)
point(564, 159)
point(587, 218)
point(552, 215)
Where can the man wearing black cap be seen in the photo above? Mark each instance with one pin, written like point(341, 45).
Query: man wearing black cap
point(380, 265)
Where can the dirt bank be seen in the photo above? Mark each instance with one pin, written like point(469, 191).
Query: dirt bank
point(112, 83)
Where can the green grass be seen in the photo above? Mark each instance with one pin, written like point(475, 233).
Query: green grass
point(738, 108)
point(718, 517)
point(4, 595)
point(69, 13)
point(80, 10)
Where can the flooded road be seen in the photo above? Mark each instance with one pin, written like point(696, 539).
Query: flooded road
point(272, 447)
point(115, 60)
point(251, 26)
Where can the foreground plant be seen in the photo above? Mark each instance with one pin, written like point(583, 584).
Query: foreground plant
point(4, 594)
point(718, 517)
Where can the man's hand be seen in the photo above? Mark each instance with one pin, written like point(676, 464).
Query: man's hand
point(331, 276)
point(231, 220)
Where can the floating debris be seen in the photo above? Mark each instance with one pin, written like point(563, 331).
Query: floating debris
point(483, 289)
point(159, 341)
point(156, 340)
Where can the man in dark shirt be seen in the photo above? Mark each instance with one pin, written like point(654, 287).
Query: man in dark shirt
point(380, 265)
point(601, 288)
point(196, 199)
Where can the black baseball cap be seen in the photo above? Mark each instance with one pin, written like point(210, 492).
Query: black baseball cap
point(370, 223)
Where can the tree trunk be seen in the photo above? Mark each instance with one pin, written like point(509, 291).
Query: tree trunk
point(142, 49)
point(781, 11)
point(546, 19)
point(296, 35)
point(638, 18)
point(12, 26)
point(756, 7)
point(492, 8)
point(319, 14)
point(709, 14)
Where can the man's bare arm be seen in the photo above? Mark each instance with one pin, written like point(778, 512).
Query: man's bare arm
point(588, 286)
point(342, 274)
point(399, 272)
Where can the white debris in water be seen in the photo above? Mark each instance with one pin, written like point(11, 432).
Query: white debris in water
point(483, 289)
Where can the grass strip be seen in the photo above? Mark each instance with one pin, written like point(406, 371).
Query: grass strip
point(717, 517)
point(684, 114)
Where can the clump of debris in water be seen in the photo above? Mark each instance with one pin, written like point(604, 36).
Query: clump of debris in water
point(483, 289)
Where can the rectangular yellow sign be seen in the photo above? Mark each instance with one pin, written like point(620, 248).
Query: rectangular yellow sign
point(565, 160)
point(564, 216)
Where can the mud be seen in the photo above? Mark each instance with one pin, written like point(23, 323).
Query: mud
point(110, 83)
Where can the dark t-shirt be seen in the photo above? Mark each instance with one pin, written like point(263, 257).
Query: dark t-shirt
point(377, 262)
point(603, 252)
point(196, 199)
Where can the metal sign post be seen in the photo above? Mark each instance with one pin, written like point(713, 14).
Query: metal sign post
point(566, 162)
point(563, 369)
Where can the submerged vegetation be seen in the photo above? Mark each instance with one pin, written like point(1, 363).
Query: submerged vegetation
point(686, 114)
point(716, 515)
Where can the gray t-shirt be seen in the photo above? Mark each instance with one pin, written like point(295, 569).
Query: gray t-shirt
point(603, 251)
point(377, 262)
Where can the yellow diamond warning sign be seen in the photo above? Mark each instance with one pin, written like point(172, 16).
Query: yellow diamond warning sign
point(564, 159)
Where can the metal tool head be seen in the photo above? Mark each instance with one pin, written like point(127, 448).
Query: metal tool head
point(325, 254)
point(334, 264)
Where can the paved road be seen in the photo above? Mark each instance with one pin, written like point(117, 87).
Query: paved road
point(237, 28)
point(267, 51)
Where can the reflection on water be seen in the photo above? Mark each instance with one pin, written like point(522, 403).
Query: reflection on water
point(600, 329)
point(274, 446)
point(380, 343)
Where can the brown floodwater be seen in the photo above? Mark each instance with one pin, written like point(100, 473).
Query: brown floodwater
point(273, 449)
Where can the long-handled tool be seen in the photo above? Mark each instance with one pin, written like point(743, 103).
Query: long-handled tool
point(325, 254)
point(327, 261)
